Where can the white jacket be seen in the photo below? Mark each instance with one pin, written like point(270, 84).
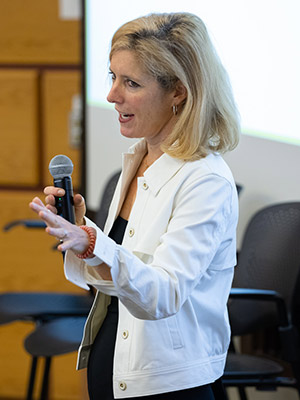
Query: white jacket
point(172, 275)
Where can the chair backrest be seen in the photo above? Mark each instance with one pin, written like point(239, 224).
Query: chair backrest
point(106, 198)
point(239, 188)
point(268, 259)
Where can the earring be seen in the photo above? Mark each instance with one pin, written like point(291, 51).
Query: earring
point(175, 109)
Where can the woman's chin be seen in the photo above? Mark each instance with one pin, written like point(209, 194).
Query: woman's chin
point(128, 134)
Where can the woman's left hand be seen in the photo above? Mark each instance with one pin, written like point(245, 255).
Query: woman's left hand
point(71, 236)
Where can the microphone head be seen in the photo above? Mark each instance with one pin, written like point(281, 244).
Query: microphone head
point(60, 166)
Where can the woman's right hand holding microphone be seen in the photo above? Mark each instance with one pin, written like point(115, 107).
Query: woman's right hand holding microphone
point(79, 203)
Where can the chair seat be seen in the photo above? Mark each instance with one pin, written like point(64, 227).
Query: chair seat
point(56, 337)
point(244, 365)
point(35, 306)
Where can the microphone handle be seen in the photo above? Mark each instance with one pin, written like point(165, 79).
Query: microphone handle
point(65, 204)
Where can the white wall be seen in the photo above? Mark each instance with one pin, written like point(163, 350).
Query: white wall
point(269, 172)
point(105, 146)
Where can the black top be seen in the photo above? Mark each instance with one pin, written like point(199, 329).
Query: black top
point(117, 233)
point(118, 229)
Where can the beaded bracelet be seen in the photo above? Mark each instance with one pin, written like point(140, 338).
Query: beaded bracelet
point(92, 241)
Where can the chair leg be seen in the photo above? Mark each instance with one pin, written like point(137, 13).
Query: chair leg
point(45, 385)
point(242, 393)
point(31, 381)
point(296, 372)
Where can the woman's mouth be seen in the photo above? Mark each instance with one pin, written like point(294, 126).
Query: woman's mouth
point(125, 117)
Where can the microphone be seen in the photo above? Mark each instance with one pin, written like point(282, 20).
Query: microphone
point(61, 168)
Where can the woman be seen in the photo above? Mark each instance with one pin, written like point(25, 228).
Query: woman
point(159, 326)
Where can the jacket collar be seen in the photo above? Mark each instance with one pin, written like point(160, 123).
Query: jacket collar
point(158, 174)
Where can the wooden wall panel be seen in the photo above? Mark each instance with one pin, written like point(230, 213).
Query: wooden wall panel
point(18, 127)
point(58, 88)
point(28, 263)
point(39, 73)
point(32, 32)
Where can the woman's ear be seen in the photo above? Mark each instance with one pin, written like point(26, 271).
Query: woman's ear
point(180, 93)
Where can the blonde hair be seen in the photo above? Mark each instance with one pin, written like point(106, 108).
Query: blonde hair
point(176, 47)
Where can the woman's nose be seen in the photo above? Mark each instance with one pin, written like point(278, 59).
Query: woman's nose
point(114, 95)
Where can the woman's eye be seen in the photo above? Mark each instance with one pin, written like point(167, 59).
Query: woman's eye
point(132, 84)
point(127, 81)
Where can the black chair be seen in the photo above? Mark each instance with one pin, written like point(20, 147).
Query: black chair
point(106, 198)
point(39, 308)
point(266, 298)
point(54, 337)
point(239, 188)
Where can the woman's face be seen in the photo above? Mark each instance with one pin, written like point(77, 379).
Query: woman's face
point(145, 109)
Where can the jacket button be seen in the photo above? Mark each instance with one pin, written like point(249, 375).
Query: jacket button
point(122, 386)
point(145, 186)
point(125, 334)
point(131, 232)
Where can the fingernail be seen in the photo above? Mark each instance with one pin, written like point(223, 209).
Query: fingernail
point(60, 192)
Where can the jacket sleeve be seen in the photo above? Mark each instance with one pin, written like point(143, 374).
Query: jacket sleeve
point(201, 215)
